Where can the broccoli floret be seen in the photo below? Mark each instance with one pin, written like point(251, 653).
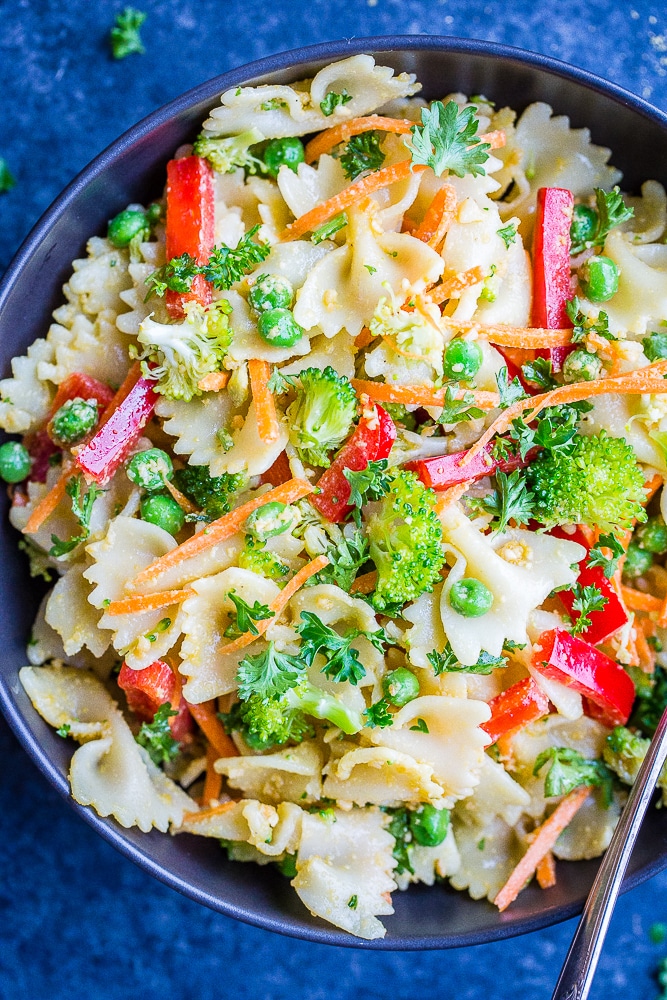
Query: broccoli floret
point(214, 494)
point(224, 154)
point(321, 415)
point(182, 354)
point(256, 557)
point(650, 702)
point(624, 752)
point(597, 482)
point(405, 538)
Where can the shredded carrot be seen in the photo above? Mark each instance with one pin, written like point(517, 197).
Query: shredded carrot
point(363, 339)
point(451, 495)
point(637, 600)
point(417, 395)
point(214, 382)
point(438, 217)
point(529, 338)
point(186, 505)
point(408, 225)
point(645, 654)
point(642, 380)
point(268, 425)
point(332, 137)
point(278, 605)
point(49, 502)
point(348, 196)
point(147, 602)
point(365, 584)
point(206, 718)
point(457, 283)
point(223, 528)
point(546, 836)
point(631, 650)
point(213, 780)
point(204, 814)
point(652, 486)
point(546, 871)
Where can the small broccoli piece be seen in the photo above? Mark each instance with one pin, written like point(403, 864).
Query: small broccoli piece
point(624, 752)
point(256, 557)
point(156, 738)
point(75, 418)
point(652, 536)
point(405, 538)
point(182, 354)
point(267, 722)
point(650, 702)
point(637, 562)
point(214, 494)
point(596, 482)
point(321, 415)
point(225, 154)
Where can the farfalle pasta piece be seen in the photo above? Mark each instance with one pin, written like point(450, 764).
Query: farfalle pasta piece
point(272, 831)
point(109, 771)
point(344, 869)
point(290, 775)
point(343, 290)
point(293, 261)
point(444, 732)
point(588, 834)
point(429, 862)
point(70, 613)
point(519, 567)
point(139, 307)
point(650, 214)
point(128, 547)
point(24, 399)
point(641, 300)
point(380, 776)
point(487, 856)
point(197, 425)
point(246, 341)
point(249, 453)
point(204, 618)
point(306, 187)
point(278, 110)
point(497, 794)
point(94, 347)
point(337, 352)
point(99, 278)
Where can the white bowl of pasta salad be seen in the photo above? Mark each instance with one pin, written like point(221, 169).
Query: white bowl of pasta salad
point(343, 461)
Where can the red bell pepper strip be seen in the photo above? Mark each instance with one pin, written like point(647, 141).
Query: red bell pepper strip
point(78, 385)
point(41, 449)
point(99, 458)
point(612, 616)
point(190, 224)
point(370, 441)
point(574, 662)
point(515, 708)
point(278, 473)
point(551, 258)
point(444, 471)
point(147, 689)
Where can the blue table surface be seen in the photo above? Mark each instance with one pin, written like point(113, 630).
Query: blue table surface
point(79, 919)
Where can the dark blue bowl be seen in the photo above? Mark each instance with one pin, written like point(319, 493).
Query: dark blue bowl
point(132, 169)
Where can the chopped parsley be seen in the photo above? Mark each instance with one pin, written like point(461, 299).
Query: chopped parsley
point(353, 902)
point(447, 140)
point(245, 616)
point(508, 234)
point(64, 730)
point(125, 38)
point(510, 392)
point(420, 726)
point(362, 153)
point(379, 714)
point(268, 674)
point(611, 211)
point(342, 659)
point(446, 662)
point(540, 373)
point(583, 325)
point(455, 410)
point(511, 500)
point(333, 101)
point(596, 556)
point(586, 599)
point(569, 769)
point(82, 508)
point(225, 266)
point(329, 229)
point(155, 737)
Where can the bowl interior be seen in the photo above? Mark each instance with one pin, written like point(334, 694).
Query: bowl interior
point(132, 169)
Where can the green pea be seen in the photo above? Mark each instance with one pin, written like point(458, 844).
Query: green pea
point(652, 536)
point(598, 278)
point(429, 825)
point(463, 359)
point(655, 346)
point(150, 469)
point(279, 328)
point(163, 511)
point(470, 597)
point(581, 366)
point(287, 866)
point(75, 418)
point(400, 686)
point(279, 152)
point(637, 562)
point(126, 225)
point(270, 520)
point(271, 291)
point(584, 224)
point(15, 462)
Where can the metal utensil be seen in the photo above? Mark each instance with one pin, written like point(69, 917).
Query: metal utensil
point(581, 962)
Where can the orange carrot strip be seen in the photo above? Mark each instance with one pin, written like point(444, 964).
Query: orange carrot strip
point(213, 780)
point(546, 871)
point(331, 137)
point(652, 486)
point(546, 836)
point(180, 498)
point(642, 380)
point(637, 600)
point(268, 425)
point(365, 584)
point(204, 814)
point(223, 528)
point(278, 605)
point(662, 613)
point(147, 602)
point(364, 338)
point(451, 495)
point(348, 196)
point(214, 381)
point(645, 654)
point(206, 718)
point(417, 395)
point(439, 216)
point(457, 283)
point(511, 336)
point(48, 503)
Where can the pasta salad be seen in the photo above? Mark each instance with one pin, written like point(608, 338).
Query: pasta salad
point(344, 461)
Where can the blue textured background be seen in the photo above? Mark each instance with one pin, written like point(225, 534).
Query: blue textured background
point(78, 919)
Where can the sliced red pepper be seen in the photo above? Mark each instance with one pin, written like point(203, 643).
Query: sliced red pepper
point(190, 224)
point(149, 688)
point(612, 616)
point(575, 663)
point(515, 708)
point(551, 258)
point(41, 449)
point(279, 472)
point(78, 385)
point(444, 471)
point(370, 441)
point(99, 458)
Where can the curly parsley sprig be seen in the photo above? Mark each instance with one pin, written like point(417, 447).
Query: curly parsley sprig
point(447, 140)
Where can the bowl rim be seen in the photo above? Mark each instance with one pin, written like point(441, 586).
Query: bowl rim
point(209, 90)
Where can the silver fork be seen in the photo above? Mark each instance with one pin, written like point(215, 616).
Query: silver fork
point(581, 962)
